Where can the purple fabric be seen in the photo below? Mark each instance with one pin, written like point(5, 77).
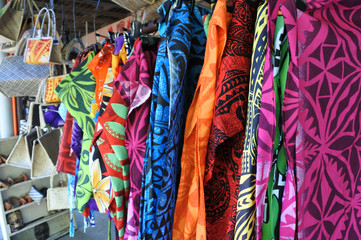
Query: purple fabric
point(119, 42)
point(92, 205)
point(76, 139)
point(134, 83)
point(52, 116)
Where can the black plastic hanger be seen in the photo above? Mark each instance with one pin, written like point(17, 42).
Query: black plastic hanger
point(149, 42)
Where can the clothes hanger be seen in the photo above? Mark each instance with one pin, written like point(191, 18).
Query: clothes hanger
point(149, 42)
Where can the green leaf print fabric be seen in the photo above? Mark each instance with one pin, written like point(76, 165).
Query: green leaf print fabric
point(76, 91)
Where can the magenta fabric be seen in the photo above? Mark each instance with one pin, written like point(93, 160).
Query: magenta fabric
point(267, 122)
point(323, 116)
point(288, 219)
point(134, 83)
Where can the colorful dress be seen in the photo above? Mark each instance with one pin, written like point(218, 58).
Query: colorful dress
point(326, 65)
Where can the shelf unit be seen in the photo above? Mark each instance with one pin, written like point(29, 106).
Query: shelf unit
point(16, 185)
point(22, 206)
point(32, 213)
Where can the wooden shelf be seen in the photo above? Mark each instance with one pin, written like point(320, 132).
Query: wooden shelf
point(41, 220)
point(22, 206)
point(16, 185)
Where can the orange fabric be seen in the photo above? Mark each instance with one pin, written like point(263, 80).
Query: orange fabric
point(190, 214)
point(99, 67)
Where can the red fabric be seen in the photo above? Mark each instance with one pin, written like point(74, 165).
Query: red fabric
point(108, 141)
point(66, 158)
point(224, 159)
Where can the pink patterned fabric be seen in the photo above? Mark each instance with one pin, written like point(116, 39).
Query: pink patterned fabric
point(134, 83)
point(326, 68)
point(267, 123)
point(290, 115)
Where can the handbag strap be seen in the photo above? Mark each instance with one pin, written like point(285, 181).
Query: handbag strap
point(43, 10)
point(32, 5)
point(42, 89)
point(50, 16)
point(52, 177)
point(53, 173)
point(46, 16)
point(21, 44)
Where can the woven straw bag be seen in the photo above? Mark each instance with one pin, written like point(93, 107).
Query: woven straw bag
point(20, 156)
point(57, 198)
point(46, 39)
point(45, 154)
point(133, 5)
point(18, 78)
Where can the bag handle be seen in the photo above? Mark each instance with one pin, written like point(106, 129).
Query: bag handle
point(52, 17)
point(53, 173)
point(45, 10)
point(46, 16)
point(52, 67)
point(32, 5)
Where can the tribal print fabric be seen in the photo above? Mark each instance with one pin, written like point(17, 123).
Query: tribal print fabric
point(327, 146)
point(246, 206)
point(224, 160)
point(161, 169)
point(190, 215)
point(135, 86)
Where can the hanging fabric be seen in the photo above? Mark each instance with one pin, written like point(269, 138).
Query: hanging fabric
point(99, 68)
point(110, 139)
point(267, 122)
point(224, 159)
point(134, 84)
point(276, 182)
point(161, 169)
point(76, 91)
point(189, 216)
point(66, 159)
point(326, 68)
point(246, 206)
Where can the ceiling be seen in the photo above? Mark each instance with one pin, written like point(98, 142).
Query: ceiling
point(108, 12)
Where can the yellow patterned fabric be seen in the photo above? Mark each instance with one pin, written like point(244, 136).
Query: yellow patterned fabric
point(246, 206)
point(51, 84)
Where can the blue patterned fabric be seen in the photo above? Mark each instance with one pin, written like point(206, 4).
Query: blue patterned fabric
point(179, 63)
